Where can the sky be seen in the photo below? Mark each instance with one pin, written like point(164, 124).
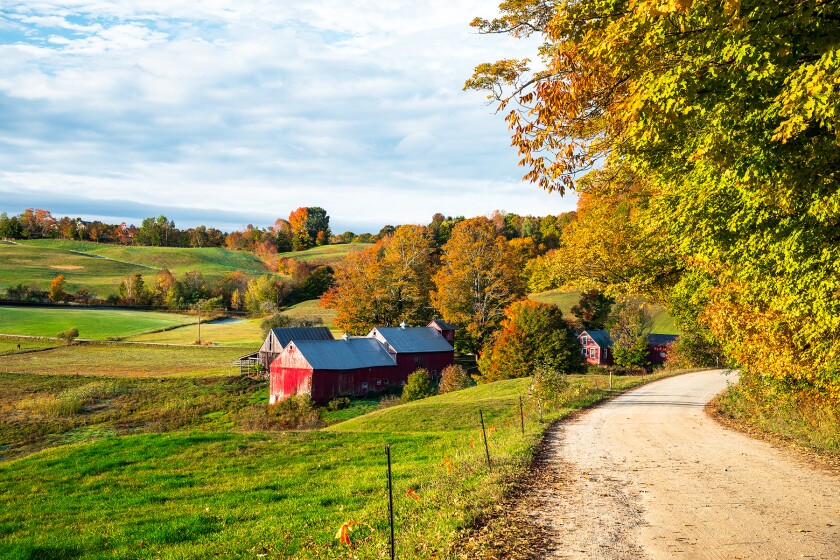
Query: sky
point(227, 113)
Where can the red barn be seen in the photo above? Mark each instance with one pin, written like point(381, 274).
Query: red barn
point(596, 346)
point(416, 347)
point(324, 369)
point(446, 329)
point(277, 339)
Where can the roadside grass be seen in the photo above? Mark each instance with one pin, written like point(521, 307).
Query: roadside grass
point(223, 332)
point(125, 360)
point(9, 344)
point(216, 491)
point(100, 267)
point(95, 324)
point(330, 255)
point(663, 323)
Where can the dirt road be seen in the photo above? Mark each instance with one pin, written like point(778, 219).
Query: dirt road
point(650, 475)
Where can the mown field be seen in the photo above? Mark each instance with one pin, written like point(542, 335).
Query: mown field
point(126, 360)
point(176, 468)
point(663, 323)
point(14, 345)
point(94, 324)
point(100, 267)
point(331, 255)
point(223, 332)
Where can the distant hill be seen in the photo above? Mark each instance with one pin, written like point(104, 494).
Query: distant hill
point(663, 323)
point(330, 255)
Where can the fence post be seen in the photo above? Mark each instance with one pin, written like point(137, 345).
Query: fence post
point(390, 499)
point(521, 416)
point(484, 433)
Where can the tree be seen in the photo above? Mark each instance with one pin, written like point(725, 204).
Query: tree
point(57, 292)
point(384, 285)
point(454, 378)
point(629, 325)
point(265, 293)
point(477, 280)
point(132, 289)
point(419, 386)
point(593, 309)
point(69, 335)
point(532, 334)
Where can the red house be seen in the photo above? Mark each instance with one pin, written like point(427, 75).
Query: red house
point(324, 369)
point(596, 347)
point(416, 347)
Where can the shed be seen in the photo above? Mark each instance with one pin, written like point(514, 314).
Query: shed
point(277, 339)
point(324, 369)
point(446, 329)
point(416, 347)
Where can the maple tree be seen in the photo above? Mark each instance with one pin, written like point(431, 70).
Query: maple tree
point(728, 112)
point(57, 292)
point(478, 278)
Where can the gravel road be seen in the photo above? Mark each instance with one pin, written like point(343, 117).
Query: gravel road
point(650, 475)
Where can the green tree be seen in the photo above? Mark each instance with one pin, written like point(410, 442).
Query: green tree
point(69, 335)
point(593, 309)
point(132, 290)
point(419, 386)
point(629, 327)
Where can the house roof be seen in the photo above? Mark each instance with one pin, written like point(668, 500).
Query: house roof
point(443, 325)
point(661, 339)
point(352, 353)
point(601, 338)
point(286, 335)
point(413, 339)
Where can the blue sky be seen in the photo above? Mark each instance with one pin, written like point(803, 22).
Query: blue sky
point(228, 113)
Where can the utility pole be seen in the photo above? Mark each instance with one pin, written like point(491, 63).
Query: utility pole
point(199, 321)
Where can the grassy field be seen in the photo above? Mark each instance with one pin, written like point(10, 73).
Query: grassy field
point(224, 332)
point(331, 255)
point(663, 323)
point(214, 490)
point(125, 360)
point(14, 345)
point(95, 324)
point(100, 268)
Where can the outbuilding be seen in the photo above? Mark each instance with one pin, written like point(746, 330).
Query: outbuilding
point(277, 339)
point(416, 347)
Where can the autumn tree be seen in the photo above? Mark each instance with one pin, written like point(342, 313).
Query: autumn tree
point(454, 378)
point(532, 334)
point(132, 290)
point(57, 292)
point(386, 284)
point(477, 280)
point(265, 294)
point(629, 327)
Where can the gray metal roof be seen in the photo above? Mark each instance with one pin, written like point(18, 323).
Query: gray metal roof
point(601, 338)
point(414, 339)
point(353, 353)
point(661, 339)
point(286, 335)
point(444, 326)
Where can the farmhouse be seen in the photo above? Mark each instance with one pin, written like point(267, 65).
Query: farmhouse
point(596, 346)
point(325, 369)
point(277, 339)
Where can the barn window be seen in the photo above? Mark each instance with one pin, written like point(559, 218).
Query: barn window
point(379, 382)
point(592, 353)
point(364, 385)
point(416, 359)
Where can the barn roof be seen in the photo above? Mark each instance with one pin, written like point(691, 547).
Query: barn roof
point(661, 339)
point(286, 335)
point(353, 353)
point(443, 325)
point(601, 338)
point(414, 339)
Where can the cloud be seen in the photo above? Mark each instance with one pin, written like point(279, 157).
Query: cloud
point(256, 106)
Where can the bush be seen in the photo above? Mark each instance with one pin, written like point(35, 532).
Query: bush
point(389, 401)
point(69, 335)
point(454, 378)
point(294, 413)
point(419, 386)
point(338, 403)
point(548, 386)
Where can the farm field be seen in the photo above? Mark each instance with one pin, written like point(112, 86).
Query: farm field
point(312, 309)
point(126, 360)
point(222, 332)
point(13, 345)
point(94, 324)
point(100, 267)
point(220, 491)
point(663, 323)
point(331, 255)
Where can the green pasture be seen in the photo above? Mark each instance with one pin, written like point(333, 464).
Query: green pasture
point(95, 324)
point(101, 267)
point(222, 332)
point(126, 360)
point(663, 323)
point(14, 345)
point(213, 490)
point(330, 255)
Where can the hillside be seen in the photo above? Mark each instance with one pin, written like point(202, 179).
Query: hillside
point(330, 255)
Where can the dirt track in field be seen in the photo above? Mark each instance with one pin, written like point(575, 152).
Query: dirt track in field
point(650, 476)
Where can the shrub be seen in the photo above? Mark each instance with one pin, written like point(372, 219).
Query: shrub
point(419, 386)
point(389, 401)
point(294, 413)
point(69, 335)
point(338, 403)
point(548, 386)
point(454, 378)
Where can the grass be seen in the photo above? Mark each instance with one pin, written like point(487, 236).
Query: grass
point(216, 491)
point(663, 323)
point(100, 267)
point(125, 360)
point(94, 324)
point(225, 332)
point(330, 255)
point(15, 345)
point(311, 308)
